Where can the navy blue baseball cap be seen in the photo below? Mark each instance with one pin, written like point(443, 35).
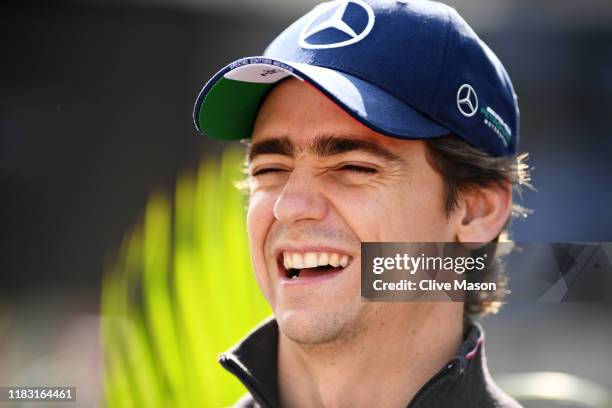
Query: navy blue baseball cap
point(409, 69)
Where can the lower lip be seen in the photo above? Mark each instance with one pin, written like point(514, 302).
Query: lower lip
point(307, 280)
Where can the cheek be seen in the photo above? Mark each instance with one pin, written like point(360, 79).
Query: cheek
point(409, 212)
point(421, 207)
point(260, 218)
point(256, 223)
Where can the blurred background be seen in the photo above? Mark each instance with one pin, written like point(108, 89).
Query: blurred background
point(95, 114)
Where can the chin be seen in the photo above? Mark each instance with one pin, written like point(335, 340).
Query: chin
point(312, 326)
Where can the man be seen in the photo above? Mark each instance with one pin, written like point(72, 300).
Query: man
point(380, 121)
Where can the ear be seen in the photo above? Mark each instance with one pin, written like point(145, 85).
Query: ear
point(482, 212)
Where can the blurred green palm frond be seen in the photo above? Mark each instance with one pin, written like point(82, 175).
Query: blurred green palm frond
point(180, 291)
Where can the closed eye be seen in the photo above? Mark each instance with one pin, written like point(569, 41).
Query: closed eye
point(269, 170)
point(357, 169)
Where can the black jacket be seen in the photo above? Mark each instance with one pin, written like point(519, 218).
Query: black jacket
point(463, 382)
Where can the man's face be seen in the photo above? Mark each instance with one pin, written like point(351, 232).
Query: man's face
point(321, 183)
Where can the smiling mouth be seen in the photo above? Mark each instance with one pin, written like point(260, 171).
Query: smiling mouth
point(298, 265)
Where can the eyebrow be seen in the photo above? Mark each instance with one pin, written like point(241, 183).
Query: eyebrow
point(281, 145)
point(321, 146)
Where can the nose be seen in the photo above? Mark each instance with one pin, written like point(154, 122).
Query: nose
point(300, 199)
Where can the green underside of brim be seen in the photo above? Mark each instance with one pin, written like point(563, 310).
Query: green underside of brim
point(230, 108)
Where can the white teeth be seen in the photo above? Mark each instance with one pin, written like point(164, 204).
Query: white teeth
point(294, 277)
point(298, 260)
point(310, 260)
point(334, 260)
point(344, 261)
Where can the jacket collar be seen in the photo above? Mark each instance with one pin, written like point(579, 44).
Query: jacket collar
point(254, 362)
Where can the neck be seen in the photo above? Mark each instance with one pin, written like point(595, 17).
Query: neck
point(400, 348)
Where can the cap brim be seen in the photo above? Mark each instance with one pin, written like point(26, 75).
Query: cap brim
point(227, 106)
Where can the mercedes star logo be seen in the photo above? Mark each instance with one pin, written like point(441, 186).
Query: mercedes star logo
point(335, 22)
point(467, 100)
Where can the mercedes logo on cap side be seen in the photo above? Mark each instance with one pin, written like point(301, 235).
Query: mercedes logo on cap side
point(335, 22)
point(467, 100)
